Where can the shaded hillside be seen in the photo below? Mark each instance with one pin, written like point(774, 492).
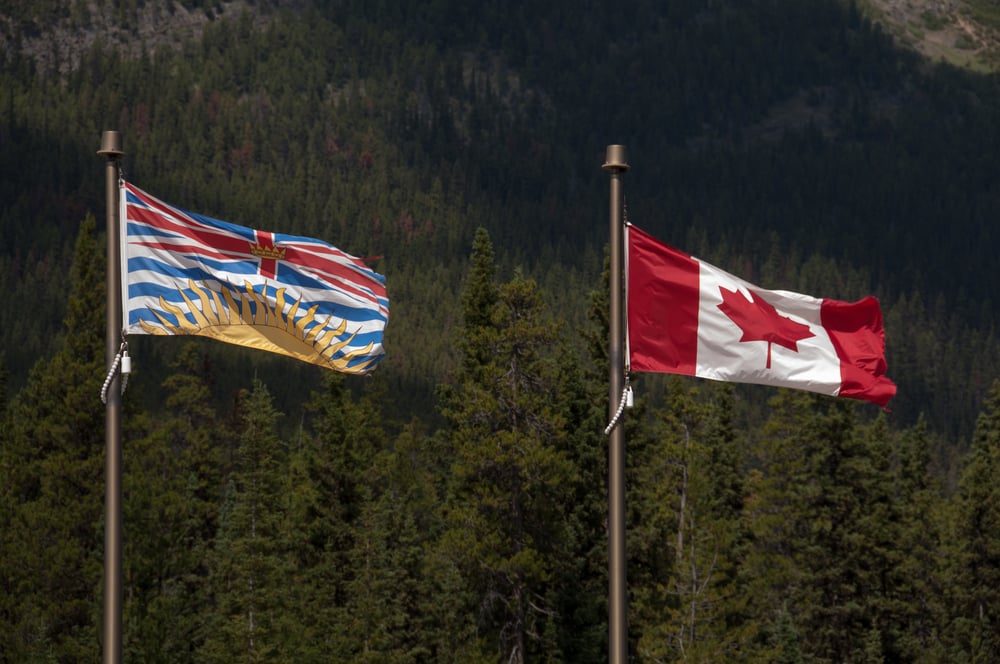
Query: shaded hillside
point(791, 143)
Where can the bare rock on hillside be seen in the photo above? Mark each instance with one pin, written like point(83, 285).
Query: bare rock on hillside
point(57, 42)
point(941, 30)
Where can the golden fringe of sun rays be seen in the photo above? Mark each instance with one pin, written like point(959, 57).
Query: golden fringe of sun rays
point(253, 321)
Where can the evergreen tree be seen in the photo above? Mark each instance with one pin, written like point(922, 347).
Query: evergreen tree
point(364, 520)
point(386, 594)
point(173, 489)
point(693, 486)
point(479, 299)
point(248, 567)
point(327, 495)
point(582, 582)
point(510, 481)
point(824, 527)
point(916, 603)
point(976, 584)
point(53, 465)
point(785, 641)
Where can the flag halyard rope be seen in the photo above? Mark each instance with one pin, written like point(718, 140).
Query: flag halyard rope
point(625, 401)
point(123, 361)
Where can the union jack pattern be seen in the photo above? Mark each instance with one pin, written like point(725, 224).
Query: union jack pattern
point(184, 273)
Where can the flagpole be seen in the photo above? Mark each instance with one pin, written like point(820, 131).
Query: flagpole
point(616, 166)
point(111, 149)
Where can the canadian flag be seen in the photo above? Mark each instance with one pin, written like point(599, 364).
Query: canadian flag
point(688, 317)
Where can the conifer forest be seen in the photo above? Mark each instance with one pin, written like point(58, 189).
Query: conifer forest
point(451, 506)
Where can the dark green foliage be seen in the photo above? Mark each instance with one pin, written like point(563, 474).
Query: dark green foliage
point(387, 590)
point(919, 579)
point(823, 536)
point(976, 623)
point(173, 489)
point(53, 464)
point(838, 530)
point(453, 506)
point(785, 641)
point(248, 567)
point(511, 481)
point(778, 138)
point(689, 604)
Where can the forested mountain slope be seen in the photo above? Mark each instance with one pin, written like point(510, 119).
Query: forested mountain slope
point(451, 507)
point(791, 143)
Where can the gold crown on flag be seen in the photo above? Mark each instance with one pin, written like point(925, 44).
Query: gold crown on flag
point(267, 252)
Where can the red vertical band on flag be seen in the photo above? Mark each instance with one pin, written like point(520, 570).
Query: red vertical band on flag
point(267, 252)
point(855, 328)
point(663, 302)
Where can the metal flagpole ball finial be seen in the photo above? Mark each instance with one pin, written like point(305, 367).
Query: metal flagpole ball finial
point(615, 159)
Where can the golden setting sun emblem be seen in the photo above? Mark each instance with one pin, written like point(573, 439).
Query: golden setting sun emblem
point(252, 320)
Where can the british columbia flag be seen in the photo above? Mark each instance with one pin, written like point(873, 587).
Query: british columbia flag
point(184, 273)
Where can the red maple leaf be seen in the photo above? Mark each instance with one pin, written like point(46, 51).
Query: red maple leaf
point(761, 322)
